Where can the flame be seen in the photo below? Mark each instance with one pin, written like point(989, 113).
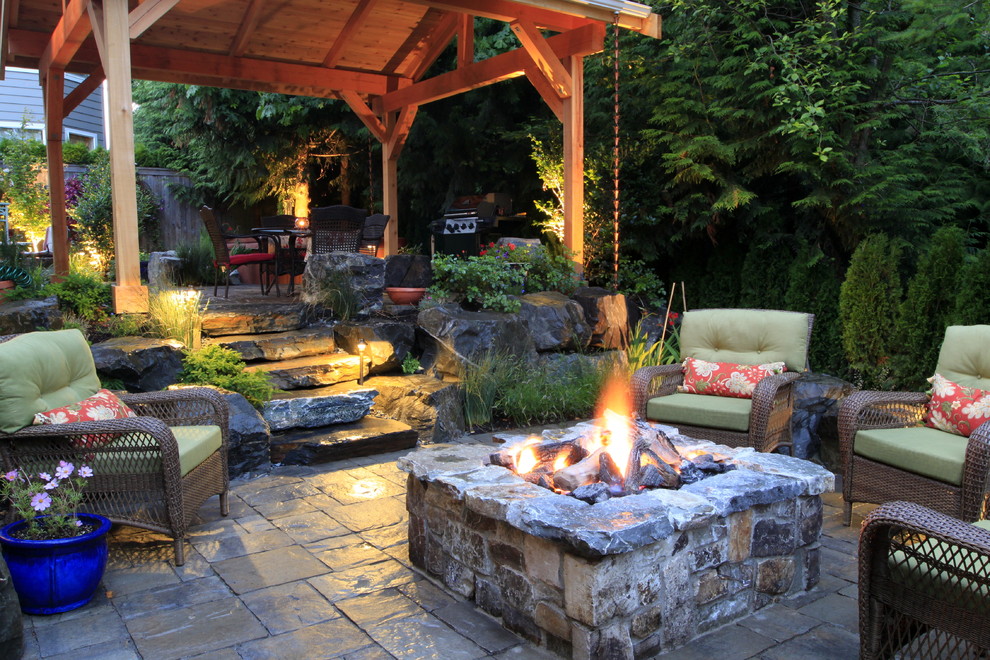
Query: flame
point(615, 410)
point(560, 462)
point(526, 460)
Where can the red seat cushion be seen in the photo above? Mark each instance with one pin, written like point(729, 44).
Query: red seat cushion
point(250, 258)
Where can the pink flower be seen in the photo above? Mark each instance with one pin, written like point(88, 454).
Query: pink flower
point(512, 246)
point(44, 476)
point(52, 485)
point(85, 471)
point(64, 470)
point(78, 522)
point(10, 476)
point(41, 501)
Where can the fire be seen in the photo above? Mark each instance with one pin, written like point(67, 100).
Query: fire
point(561, 461)
point(526, 460)
point(615, 410)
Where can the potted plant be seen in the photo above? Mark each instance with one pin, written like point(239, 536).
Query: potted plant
point(56, 557)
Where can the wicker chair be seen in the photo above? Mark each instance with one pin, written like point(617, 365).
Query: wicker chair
point(946, 472)
point(224, 262)
point(152, 471)
point(373, 233)
point(742, 336)
point(336, 228)
point(924, 578)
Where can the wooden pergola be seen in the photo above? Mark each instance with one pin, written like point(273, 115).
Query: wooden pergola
point(371, 54)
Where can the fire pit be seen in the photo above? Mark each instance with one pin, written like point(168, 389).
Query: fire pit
point(645, 570)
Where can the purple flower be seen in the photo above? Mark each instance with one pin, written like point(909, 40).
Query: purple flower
point(78, 522)
point(10, 476)
point(40, 501)
point(85, 471)
point(52, 485)
point(44, 476)
point(64, 470)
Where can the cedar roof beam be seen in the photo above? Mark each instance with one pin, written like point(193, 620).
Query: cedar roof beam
point(633, 16)
point(365, 114)
point(82, 90)
point(506, 12)
point(547, 93)
point(465, 40)
point(354, 23)
point(6, 8)
point(582, 41)
point(72, 29)
point(435, 45)
point(399, 131)
point(146, 14)
point(206, 80)
point(248, 25)
point(543, 56)
point(431, 19)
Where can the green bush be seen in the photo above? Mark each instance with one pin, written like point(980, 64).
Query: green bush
point(486, 281)
point(82, 293)
point(197, 262)
point(813, 287)
point(76, 153)
point(763, 280)
point(928, 308)
point(973, 300)
point(869, 300)
point(640, 282)
point(224, 368)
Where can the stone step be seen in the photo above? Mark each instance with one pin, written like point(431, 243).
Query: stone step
point(344, 403)
point(370, 435)
point(312, 371)
point(223, 318)
point(280, 345)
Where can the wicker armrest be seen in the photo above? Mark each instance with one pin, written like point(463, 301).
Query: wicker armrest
point(878, 410)
point(772, 396)
point(649, 382)
point(187, 406)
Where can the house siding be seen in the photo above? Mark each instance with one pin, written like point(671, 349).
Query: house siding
point(20, 94)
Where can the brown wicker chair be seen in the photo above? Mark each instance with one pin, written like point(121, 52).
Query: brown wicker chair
point(336, 228)
point(924, 581)
point(744, 336)
point(868, 478)
point(138, 475)
point(224, 262)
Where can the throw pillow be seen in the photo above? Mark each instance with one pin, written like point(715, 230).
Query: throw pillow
point(956, 408)
point(725, 378)
point(102, 405)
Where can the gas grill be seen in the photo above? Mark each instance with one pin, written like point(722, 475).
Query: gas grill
point(459, 230)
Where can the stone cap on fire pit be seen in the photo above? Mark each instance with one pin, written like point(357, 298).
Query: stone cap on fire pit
point(620, 524)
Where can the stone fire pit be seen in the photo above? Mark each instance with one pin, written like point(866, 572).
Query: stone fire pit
point(626, 578)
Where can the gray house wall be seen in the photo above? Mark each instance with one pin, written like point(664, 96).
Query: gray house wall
point(21, 93)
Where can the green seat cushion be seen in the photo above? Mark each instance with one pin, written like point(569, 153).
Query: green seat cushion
point(718, 412)
point(196, 444)
point(919, 449)
point(43, 370)
point(965, 355)
point(746, 336)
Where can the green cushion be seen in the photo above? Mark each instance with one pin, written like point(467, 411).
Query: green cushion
point(746, 336)
point(196, 444)
point(718, 412)
point(43, 370)
point(965, 355)
point(919, 449)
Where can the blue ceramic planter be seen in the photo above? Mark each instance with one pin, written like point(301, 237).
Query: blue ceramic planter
point(58, 575)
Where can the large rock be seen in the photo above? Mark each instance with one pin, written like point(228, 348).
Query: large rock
point(142, 364)
point(408, 270)
point(29, 315)
point(432, 407)
point(320, 407)
point(226, 318)
point(387, 342)
point(457, 336)
point(281, 345)
point(607, 314)
point(815, 421)
point(312, 371)
point(555, 322)
point(363, 274)
point(248, 449)
point(367, 436)
point(163, 269)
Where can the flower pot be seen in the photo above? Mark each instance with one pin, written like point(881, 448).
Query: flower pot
point(6, 286)
point(56, 575)
point(405, 295)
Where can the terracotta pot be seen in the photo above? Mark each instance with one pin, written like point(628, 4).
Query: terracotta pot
point(405, 295)
point(249, 274)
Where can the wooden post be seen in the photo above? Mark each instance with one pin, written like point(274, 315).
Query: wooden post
point(128, 294)
point(53, 83)
point(390, 185)
point(574, 162)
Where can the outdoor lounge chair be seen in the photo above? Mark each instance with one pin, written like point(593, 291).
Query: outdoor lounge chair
point(224, 261)
point(924, 581)
point(336, 228)
point(888, 455)
point(152, 471)
point(739, 336)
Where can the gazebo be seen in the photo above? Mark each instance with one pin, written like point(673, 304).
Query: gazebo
point(371, 54)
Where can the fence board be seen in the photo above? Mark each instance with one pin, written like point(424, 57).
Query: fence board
point(180, 222)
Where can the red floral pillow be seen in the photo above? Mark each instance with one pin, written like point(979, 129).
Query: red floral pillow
point(956, 408)
point(102, 405)
point(725, 378)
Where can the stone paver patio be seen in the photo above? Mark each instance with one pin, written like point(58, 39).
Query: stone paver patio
point(312, 563)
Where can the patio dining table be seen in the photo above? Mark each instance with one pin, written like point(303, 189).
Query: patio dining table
point(288, 258)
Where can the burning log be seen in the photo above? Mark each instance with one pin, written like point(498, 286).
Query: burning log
point(608, 471)
point(592, 493)
point(652, 475)
point(583, 472)
point(543, 455)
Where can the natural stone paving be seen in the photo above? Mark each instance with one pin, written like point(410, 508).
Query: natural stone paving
point(313, 563)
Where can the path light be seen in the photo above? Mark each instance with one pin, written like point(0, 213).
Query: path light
point(361, 346)
point(302, 223)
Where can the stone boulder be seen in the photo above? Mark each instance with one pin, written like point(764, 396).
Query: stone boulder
point(142, 364)
point(432, 407)
point(314, 408)
point(815, 422)
point(224, 317)
point(250, 436)
point(560, 364)
point(408, 270)
point(363, 274)
point(163, 269)
point(606, 314)
point(555, 322)
point(388, 342)
point(457, 336)
point(22, 316)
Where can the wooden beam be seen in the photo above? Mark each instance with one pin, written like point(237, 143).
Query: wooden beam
point(95, 12)
point(547, 93)
point(5, 23)
point(435, 45)
point(354, 23)
point(365, 114)
point(70, 32)
point(248, 25)
point(390, 191)
point(399, 132)
point(53, 82)
point(543, 56)
point(574, 163)
point(82, 91)
point(579, 42)
point(146, 14)
point(431, 19)
point(465, 40)
point(507, 11)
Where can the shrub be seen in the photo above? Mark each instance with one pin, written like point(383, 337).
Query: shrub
point(973, 300)
point(486, 281)
point(928, 307)
point(763, 280)
point(868, 304)
point(82, 293)
point(176, 314)
point(813, 287)
point(640, 282)
point(23, 161)
point(335, 292)
point(197, 262)
point(410, 364)
point(224, 368)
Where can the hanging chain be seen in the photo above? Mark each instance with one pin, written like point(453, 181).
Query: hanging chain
point(615, 154)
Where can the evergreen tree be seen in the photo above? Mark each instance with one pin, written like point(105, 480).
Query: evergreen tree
point(973, 300)
point(813, 287)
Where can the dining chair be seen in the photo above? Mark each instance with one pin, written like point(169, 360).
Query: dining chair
point(224, 262)
point(336, 228)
